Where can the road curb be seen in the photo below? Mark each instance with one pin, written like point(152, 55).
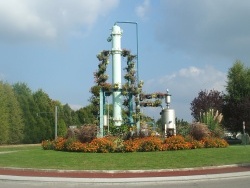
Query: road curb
point(126, 180)
point(128, 171)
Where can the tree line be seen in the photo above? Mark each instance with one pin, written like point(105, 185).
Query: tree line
point(29, 117)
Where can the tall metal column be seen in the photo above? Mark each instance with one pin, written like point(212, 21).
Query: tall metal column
point(102, 104)
point(137, 56)
point(55, 122)
point(130, 117)
point(116, 71)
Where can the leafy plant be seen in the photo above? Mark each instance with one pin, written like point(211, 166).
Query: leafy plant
point(213, 122)
point(199, 131)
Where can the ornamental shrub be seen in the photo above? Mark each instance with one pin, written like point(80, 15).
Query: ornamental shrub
point(76, 146)
point(48, 145)
point(131, 145)
point(213, 120)
point(199, 131)
point(211, 142)
point(68, 143)
point(118, 143)
point(72, 133)
point(87, 133)
point(176, 143)
point(195, 144)
point(91, 148)
point(150, 144)
point(60, 143)
point(101, 145)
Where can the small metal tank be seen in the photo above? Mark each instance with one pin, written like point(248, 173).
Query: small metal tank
point(168, 121)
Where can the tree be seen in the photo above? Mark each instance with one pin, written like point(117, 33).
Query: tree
point(85, 115)
point(238, 84)
point(205, 102)
point(67, 116)
point(29, 110)
point(11, 125)
point(4, 131)
point(237, 100)
point(16, 124)
point(70, 116)
point(45, 116)
point(62, 128)
point(235, 112)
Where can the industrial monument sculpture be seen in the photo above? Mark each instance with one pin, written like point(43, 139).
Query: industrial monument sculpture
point(126, 94)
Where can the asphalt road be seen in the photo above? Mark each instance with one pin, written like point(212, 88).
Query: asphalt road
point(230, 180)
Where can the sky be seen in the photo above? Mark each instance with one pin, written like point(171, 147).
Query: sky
point(183, 46)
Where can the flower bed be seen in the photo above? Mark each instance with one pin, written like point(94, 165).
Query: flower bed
point(146, 144)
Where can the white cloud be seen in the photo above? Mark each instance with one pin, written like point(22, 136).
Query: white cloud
point(184, 86)
point(192, 79)
point(46, 19)
point(190, 72)
point(142, 10)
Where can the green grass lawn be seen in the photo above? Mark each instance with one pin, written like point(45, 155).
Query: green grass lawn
point(36, 157)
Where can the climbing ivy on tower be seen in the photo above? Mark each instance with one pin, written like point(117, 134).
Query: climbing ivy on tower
point(100, 81)
point(130, 89)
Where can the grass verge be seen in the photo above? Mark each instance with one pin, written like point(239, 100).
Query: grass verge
point(36, 157)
